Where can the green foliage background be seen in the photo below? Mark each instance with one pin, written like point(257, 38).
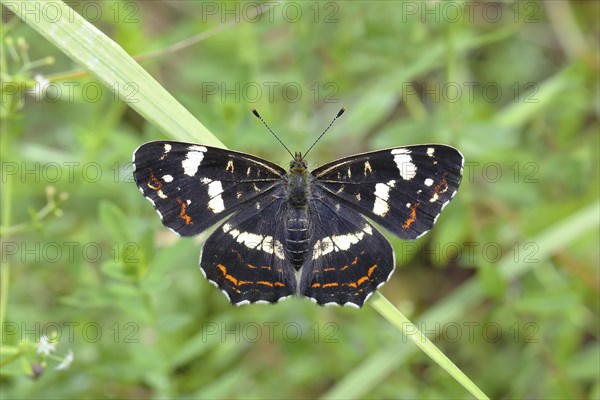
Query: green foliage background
point(506, 285)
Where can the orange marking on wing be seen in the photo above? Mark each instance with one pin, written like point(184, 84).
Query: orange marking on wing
point(227, 276)
point(156, 182)
point(356, 284)
point(328, 269)
point(262, 266)
point(355, 261)
point(325, 285)
point(362, 279)
point(345, 267)
point(443, 183)
point(371, 270)
point(413, 216)
point(182, 213)
point(237, 282)
point(270, 284)
point(230, 278)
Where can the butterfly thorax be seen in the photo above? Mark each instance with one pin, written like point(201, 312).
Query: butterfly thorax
point(297, 189)
point(297, 219)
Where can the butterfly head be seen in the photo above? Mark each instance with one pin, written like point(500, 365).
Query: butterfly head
point(298, 164)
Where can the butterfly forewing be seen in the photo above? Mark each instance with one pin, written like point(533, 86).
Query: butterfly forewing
point(403, 189)
point(192, 186)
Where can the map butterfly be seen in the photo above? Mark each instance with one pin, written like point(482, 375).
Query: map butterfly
point(297, 232)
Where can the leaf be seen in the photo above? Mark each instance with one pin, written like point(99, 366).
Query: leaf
point(113, 67)
point(115, 222)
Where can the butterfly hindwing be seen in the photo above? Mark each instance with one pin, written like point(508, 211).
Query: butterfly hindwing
point(403, 189)
point(348, 258)
point(192, 186)
point(245, 257)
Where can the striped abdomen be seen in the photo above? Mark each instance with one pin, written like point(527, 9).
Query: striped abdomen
point(296, 244)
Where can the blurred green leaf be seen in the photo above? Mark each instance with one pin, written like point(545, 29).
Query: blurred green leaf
point(114, 221)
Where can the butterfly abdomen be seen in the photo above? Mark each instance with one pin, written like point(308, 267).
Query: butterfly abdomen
point(296, 243)
point(297, 221)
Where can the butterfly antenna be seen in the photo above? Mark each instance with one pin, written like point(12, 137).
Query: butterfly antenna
point(257, 115)
point(339, 114)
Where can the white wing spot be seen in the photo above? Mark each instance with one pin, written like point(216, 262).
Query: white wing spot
point(193, 159)
point(382, 194)
point(250, 240)
point(167, 148)
point(322, 247)
point(428, 182)
point(167, 178)
point(408, 205)
point(339, 242)
point(434, 198)
point(201, 149)
point(161, 194)
point(253, 241)
point(403, 161)
point(368, 168)
point(216, 201)
point(430, 151)
point(279, 250)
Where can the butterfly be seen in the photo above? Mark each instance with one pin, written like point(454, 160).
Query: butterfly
point(295, 231)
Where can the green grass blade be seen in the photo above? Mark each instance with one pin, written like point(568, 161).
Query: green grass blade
point(533, 102)
point(396, 318)
point(367, 375)
point(113, 67)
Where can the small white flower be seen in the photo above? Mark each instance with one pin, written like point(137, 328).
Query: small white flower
point(66, 362)
point(41, 79)
point(45, 347)
point(40, 87)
